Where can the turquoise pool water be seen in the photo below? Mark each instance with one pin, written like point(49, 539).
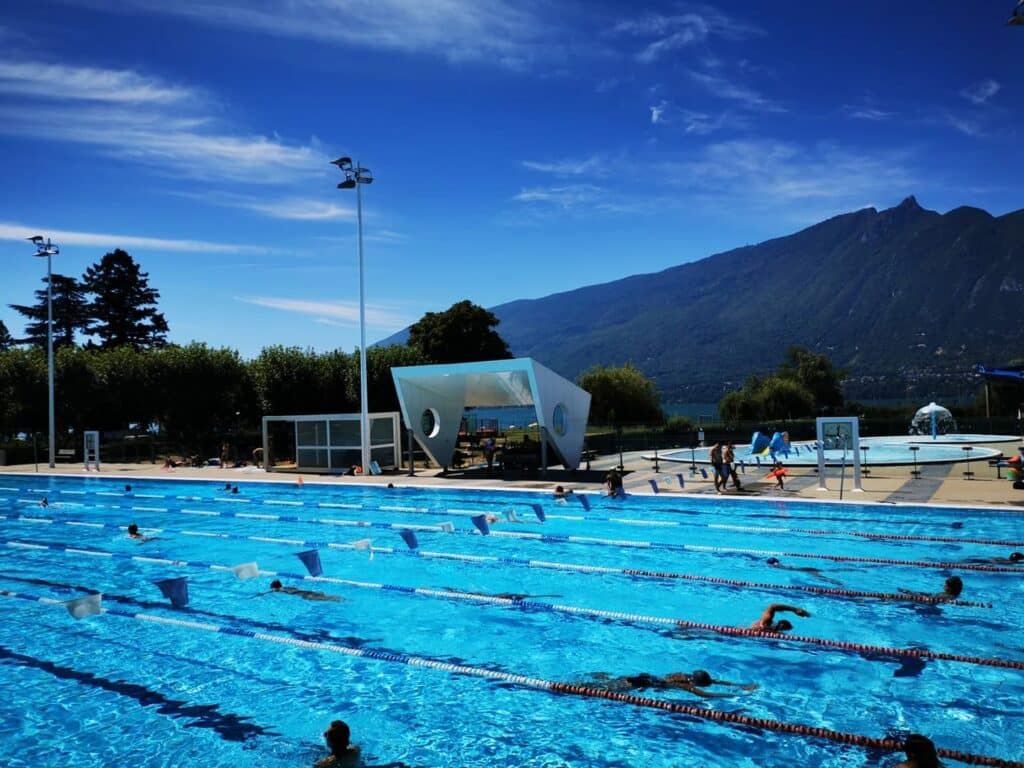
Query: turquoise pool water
point(890, 450)
point(123, 689)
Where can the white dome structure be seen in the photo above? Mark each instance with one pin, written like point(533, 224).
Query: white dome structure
point(933, 420)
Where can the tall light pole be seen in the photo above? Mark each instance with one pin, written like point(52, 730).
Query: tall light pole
point(355, 175)
point(49, 250)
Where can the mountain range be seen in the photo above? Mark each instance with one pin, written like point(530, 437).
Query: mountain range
point(906, 300)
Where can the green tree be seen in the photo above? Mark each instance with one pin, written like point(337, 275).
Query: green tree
point(621, 395)
point(22, 390)
point(463, 333)
point(123, 310)
point(380, 388)
point(198, 390)
point(781, 398)
point(6, 342)
point(816, 375)
point(69, 314)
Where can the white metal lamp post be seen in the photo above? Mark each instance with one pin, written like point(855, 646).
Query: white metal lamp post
point(355, 175)
point(49, 250)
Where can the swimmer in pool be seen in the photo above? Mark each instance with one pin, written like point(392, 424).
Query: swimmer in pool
point(952, 588)
point(695, 682)
point(767, 622)
point(920, 752)
point(305, 594)
point(774, 562)
point(1015, 558)
point(343, 753)
point(133, 533)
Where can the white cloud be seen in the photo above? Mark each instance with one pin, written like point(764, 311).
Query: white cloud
point(57, 81)
point(341, 313)
point(505, 33)
point(677, 31)
point(692, 122)
point(184, 145)
point(566, 196)
point(590, 166)
point(724, 88)
point(762, 173)
point(980, 93)
point(867, 113)
point(964, 126)
point(296, 209)
point(20, 232)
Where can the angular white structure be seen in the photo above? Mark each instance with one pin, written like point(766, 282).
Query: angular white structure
point(432, 399)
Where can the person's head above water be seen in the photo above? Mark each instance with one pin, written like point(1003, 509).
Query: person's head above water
point(276, 584)
point(772, 561)
point(1016, 557)
point(337, 737)
point(133, 529)
point(954, 586)
point(700, 677)
point(782, 625)
point(920, 751)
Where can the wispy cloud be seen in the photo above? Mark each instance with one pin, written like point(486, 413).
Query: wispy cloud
point(867, 113)
point(19, 232)
point(591, 166)
point(676, 31)
point(505, 33)
point(980, 93)
point(692, 122)
point(56, 81)
point(137, 118)
point(724, 88)
point(763, 173)
point(964, 125)
point(291, 208)
point(342, 313)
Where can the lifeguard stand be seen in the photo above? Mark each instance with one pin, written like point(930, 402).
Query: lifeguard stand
point(91, 450)
point(843, 432)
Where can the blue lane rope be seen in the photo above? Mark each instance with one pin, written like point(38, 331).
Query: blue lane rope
point(532, 605)
point(536, 683)
point(366, 545)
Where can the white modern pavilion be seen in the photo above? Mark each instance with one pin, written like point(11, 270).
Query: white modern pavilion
point(432, 399)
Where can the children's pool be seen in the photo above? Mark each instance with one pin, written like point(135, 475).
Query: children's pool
point(892, 450)
point(478, 650)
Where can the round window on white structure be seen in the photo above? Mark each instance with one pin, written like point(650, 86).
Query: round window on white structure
point(430, 422)
point(560, 419)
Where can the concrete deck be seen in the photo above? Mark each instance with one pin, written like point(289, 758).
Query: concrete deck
point(938, 484)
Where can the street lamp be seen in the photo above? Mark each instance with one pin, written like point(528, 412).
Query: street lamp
point(356, 175)
point(49, 250)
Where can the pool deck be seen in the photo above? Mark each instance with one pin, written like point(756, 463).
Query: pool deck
point(938, 484)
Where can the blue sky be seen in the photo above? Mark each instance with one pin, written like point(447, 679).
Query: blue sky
point(520, 148)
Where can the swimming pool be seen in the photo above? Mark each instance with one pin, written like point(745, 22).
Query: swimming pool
point(456, 679)
point(891, 450)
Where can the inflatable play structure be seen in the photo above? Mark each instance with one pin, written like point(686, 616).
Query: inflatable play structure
point(762, 445)
point(933, 420)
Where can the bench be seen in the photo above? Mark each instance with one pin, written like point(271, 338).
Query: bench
point(65, 454)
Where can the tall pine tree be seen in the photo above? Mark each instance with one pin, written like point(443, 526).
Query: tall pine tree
point(5, 338)
point(123, 310)
point(69, 314)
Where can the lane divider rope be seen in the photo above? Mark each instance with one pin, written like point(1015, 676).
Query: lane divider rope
point(632, 572)
point(595, 541)
point(525, 681)
point(862, 534)
point(745, 632)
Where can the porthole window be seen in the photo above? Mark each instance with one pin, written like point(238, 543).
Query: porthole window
point(430, 423)
point(560, 419)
